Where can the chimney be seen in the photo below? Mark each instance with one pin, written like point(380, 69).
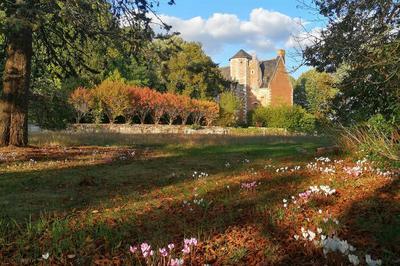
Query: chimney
point(282, 53)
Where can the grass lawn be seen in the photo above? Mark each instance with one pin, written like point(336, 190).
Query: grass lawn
point(86, 198)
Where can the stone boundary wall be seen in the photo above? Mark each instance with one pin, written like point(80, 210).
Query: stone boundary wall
point(172, 129)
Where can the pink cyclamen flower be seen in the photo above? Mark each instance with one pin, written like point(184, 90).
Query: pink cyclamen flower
point(163, 252)
point(186, 249)
point(148, 253)
point(190, 242)
point(132, 249)
point(193, 241)
point(186, 241)
point(145, 247)
point(171, 246)
point(176, 262)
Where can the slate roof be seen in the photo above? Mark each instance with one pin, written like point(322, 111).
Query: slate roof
point(268, 69)
point(242, 54)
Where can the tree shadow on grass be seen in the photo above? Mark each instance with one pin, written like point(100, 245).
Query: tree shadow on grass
point(35, 191)
point(373, 224)
point(102, 186)
point(173, 221)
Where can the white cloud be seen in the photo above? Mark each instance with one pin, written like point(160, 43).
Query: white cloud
point(264, 30)
point(303, 39)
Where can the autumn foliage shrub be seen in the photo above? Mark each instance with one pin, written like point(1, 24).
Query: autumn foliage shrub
point(142, 102)
point(116, 99)
point(81, 99)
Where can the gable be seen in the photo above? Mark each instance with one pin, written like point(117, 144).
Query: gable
point(280, 86)
point(268, 68)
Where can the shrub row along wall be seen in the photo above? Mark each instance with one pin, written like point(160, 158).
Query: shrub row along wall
point(116, 99)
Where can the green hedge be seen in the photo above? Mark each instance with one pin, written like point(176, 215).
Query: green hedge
point(294, 119)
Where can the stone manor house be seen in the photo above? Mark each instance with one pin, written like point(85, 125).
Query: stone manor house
point(259, 83)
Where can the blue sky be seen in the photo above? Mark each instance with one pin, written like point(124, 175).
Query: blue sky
point(258, 26)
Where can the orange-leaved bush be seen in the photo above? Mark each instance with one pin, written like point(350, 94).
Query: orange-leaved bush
point(172, 105)
point(158, 104)
point(81, 99)
point(210, 112)
point(206, 111)
point(184, 108)
point(142, 98)
point(114, 99)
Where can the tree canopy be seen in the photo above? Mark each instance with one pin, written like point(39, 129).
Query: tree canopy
point(192, 73)
point(315, 91)
point(59, 37)
point(362, 42)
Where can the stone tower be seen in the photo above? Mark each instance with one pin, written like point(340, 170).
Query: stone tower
point(240, 64)
point(240, 72)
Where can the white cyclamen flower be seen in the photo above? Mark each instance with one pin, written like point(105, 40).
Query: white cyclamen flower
point(371, 262)
point(311, 235)
point(353, 259)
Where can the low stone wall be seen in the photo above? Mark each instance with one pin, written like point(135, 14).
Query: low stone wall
point(146, 129)
point(173, 129)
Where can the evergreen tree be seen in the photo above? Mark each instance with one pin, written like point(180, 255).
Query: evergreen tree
point(60, 32)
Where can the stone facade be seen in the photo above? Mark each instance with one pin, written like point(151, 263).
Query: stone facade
point(259, 83)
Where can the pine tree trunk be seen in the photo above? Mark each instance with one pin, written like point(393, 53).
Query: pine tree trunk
point(16, 80)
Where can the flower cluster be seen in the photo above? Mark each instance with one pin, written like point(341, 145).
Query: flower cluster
point(199, 202)
point(365, 166)
point(353, 171)
point(188, 245)
point(326, 169)
point(165, 253)
point(252, 171)
point(199, 174)
point(249, 186)
point(334, 244)
point(322, 189)
point(323, 160)
point(310, 235)
point(384, 173)
point(32, 161)
point(288, 169)
point(326, 190)
point(146, 250)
